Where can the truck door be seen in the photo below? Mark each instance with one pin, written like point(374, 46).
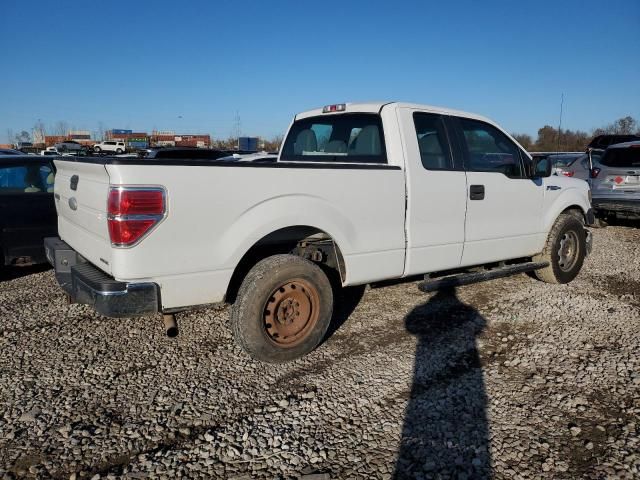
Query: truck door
point(436, 194)
point(504, 205)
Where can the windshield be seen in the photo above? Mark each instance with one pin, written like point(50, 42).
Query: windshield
point(622, 157)
point(355, 137)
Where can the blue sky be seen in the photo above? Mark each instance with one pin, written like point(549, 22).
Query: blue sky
point(190, 66)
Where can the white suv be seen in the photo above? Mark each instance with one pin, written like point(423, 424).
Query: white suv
point(110, 146)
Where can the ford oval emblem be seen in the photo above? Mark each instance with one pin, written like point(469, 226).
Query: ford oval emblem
point(73, 203)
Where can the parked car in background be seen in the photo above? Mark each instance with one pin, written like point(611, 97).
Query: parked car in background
point(23, 146)
point(575, 165)
point(562, 160)
point(10, 151)
point(615, 182)
point(359, 193)
point(110, 146)
point(69, 146)
point(603, 141)
point(27, 206)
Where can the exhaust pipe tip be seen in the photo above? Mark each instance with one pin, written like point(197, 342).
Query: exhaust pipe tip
point(170, 325)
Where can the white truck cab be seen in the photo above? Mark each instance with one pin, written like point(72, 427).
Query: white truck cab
point(359, 193)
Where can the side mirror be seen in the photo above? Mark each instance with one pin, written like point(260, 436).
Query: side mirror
point(542, 167)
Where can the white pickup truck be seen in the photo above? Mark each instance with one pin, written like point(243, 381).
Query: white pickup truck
point(359, 193)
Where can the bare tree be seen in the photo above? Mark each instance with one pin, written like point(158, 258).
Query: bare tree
point(626, 125)
point(11, 138)
point(622, 126)
point(23, 136)
point(523, 139)
point(38, 132)
point(273, 145)
point(61, 128)
point(101, 131)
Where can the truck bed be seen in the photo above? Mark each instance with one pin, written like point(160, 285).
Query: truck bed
point(218, 209)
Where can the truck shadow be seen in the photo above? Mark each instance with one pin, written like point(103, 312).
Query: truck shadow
point(445, 432)
point(13, 272)
point(345, 302)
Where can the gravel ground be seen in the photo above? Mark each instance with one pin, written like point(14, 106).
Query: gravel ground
point(508, 379)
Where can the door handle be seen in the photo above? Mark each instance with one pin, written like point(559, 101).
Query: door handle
point(476, 192)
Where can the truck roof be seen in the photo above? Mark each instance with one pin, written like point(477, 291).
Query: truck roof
point(375, 107)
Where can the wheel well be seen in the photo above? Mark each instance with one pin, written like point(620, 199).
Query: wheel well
point(576, 211)
point(305, 241)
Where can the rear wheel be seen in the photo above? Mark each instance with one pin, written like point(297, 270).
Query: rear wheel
point(118, 151)
point(283, 309)
point(564, 251)
point(97, 149)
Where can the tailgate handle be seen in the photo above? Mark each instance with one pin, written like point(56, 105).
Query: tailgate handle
point(74, 182)
point(476, 192)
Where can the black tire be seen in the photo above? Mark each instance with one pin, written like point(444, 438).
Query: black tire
point(283, 309)
point(118, 151)
point(97, 149)
point(569, 238)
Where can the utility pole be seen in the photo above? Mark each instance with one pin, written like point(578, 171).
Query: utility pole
point(560, 123)
point(237, 129)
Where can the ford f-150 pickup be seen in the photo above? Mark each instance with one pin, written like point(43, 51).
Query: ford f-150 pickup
point(359, 193)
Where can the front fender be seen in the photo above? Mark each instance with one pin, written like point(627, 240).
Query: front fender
point(556, 203)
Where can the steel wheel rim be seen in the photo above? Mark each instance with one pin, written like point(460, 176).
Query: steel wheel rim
point(568, 251)
point(291, 312)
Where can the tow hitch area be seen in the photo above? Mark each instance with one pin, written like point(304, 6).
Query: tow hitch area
point(467, 278)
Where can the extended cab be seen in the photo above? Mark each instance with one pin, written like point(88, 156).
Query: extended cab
point(359, 193)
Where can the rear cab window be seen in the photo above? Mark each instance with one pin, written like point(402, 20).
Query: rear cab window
point(337, 138)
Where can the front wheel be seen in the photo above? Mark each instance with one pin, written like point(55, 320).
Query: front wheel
point(118, 151)
point(565, 251)
point(283, 309)
point(97, 149)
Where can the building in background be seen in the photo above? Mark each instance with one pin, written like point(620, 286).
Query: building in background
point(171, 139)
point(133, 140)
point(79, 135)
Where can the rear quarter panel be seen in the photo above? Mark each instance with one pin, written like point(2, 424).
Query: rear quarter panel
point(216, 213)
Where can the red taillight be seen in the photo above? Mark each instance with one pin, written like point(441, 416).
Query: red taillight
point(568, 173)
point(595, 171)
point(128, 232)
point(133, 212)
point(135, 202)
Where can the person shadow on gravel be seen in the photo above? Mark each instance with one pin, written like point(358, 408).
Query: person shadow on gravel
point(445, 432)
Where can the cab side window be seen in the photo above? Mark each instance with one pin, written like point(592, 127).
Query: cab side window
point(433, 141)
point(490, 150)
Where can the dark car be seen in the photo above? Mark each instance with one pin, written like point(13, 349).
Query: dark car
point(10, 151)
point(70, 146)
point(27, 210)
point(603, 141)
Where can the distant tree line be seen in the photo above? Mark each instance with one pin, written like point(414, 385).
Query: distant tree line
point(550, 139)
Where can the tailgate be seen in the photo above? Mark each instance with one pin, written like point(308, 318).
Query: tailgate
point(81, 190)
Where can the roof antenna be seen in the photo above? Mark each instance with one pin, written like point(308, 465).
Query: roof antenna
point(560, 124)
